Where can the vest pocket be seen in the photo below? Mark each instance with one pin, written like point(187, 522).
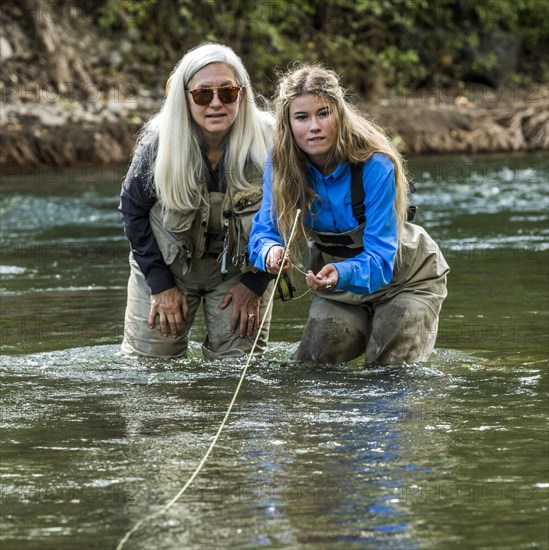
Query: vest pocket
point(246, 204)
point(177, 221)
point(170, 246)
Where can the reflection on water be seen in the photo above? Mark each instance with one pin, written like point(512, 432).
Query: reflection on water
point(449, 454)
point(311, 457)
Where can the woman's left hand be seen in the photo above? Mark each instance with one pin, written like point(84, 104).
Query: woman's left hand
point(245, 314)
point(325, 280)
point(273, 263)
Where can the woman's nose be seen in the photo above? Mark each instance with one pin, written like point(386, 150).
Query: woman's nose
point(216, 102)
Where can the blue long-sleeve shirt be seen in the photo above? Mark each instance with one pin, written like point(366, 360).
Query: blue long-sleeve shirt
point(332, 212)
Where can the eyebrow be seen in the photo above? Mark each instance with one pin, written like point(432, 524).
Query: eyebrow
point(211, 85)
point(306, 112)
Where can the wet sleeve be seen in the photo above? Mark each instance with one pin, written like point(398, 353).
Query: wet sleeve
point(373, 268)
point(264, 233)
point(136, 200)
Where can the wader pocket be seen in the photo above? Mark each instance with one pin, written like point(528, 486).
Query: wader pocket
point(245, 205)
point(420, 259)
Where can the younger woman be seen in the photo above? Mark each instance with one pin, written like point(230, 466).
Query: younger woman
point(378, 280)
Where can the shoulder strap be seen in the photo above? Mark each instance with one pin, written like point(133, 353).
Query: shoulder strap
point(357, 193)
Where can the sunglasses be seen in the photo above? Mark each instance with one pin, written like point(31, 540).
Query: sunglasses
point(204, 96)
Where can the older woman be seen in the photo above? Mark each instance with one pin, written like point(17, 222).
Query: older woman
point(187, 203)
point(378, 280)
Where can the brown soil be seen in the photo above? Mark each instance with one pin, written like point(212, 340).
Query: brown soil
point(64, 133)
point(475, 120)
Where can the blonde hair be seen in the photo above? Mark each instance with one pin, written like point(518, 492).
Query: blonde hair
point(176, 160)
point(357, 139)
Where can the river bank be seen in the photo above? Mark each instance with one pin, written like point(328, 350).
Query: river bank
point(40, 127)
point(73, 92)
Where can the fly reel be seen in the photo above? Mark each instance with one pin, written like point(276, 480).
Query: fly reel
point(285, 288)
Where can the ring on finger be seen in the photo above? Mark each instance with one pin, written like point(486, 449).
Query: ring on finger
point(329, 284)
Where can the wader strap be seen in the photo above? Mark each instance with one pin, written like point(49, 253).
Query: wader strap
point(358, 196)
point(335, 238)
point(357, 193)
point(340, 251)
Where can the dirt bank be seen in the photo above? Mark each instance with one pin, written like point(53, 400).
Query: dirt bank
point(473, 120)
point(40, 127)
point(59, 130)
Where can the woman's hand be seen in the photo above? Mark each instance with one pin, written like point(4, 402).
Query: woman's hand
point(171, 307)
point(245, 313)
point(325, 280)
point(274, 260)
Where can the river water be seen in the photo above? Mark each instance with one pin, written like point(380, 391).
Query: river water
point(449, 454)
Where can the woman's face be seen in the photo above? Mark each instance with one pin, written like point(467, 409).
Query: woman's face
point(215, 118)
point(314, 127)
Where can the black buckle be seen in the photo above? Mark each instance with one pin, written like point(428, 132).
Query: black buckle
point(411, 213)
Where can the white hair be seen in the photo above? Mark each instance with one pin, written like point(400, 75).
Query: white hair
point(179, 167)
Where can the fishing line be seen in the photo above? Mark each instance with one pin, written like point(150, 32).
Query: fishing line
point(231, 404)
point(298, 269)
point(286, 289)
point(303, 273)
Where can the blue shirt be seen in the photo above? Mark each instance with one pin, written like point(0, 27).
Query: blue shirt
point(333, 212)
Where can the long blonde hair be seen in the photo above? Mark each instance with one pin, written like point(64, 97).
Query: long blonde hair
point(176, 160)
point(357, 139)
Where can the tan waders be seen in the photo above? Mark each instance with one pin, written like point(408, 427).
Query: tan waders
point(397, 323)
point(192, 258)
point(202, 284)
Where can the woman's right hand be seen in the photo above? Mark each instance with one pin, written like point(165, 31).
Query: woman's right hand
point(274, 260)
point(171, 306)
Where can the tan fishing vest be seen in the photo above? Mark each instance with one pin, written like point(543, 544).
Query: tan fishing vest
point(226, 218)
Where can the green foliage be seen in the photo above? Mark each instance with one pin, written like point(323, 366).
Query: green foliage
point(125, 13)
point(484, 63)
point(377, 45)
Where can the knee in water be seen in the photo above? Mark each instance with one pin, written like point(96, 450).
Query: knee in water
point(331, 341)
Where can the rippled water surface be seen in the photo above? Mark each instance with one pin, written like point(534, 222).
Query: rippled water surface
point(450, 454)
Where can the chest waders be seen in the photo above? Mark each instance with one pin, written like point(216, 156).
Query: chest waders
point(396, 323)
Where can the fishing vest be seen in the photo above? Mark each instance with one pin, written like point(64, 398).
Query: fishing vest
point(349, 243)
point(219, 227)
